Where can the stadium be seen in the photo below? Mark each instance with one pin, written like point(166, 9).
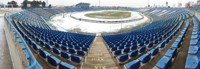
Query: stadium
point(36, 36)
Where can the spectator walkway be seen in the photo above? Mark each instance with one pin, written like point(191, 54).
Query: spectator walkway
point(99, 56)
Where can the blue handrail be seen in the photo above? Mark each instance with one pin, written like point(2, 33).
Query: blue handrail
point(33, 64)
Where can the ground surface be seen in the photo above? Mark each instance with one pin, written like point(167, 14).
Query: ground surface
point(109, 15)
point(67, 23)
point(5, 59)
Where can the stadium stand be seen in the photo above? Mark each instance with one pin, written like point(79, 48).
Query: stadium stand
point(131, 50)
point(192, 61)
point(145, 41)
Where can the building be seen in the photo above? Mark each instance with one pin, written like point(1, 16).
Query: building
point(33, 4)
point(2, 5)
point(198, 2)
point(83, 5)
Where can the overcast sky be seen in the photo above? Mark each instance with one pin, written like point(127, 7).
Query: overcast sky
point(129, 3)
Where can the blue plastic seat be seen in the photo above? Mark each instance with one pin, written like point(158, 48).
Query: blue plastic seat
point(141, 44)
point(195, 36)
point(160, 38)
point(192, 62)
point(142, 49)
point(42, 43)
point(117, 52)
point(193, 50)
point(44, 54)
point(121, 47)
point(166, 40)
point(57, 45)
point(36, 47)
point(155, 41)
point(64, 44)
point(56, 51)
point(122, 58)
point(76, 59)
point(72, 51)
point(38, 40)
point(171, 53)
point(146, 42)
point(135, 64)
point(145, 58)
point(64, 65)
point(126, 50)
point(176, 44)
point(65, 55)
point(154, 51)
point(84, 49)
point(194, 42)
point(77, 47)
point(71, 46)
point(114, 48)
point(161, 45)
point(133, 48)
point(150, 45)
point(48, 47)
point(179, 39)
point(163, 63)
point(194, 33)
point(53, 60)
point(52, 43)
point(64, 48)
point(133, 54)
point(81, 53)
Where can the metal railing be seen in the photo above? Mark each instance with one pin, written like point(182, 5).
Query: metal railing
point(33, 63)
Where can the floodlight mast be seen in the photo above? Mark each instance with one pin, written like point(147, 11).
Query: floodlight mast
point(148, 4)
point(167, 4)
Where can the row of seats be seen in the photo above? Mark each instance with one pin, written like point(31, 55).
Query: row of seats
point(123, 51)
point(193, 57)
point(65, 45)
point(32, 62)
point(74, 58)
point(31, 19)
point(77, 44)
point(50, 58)
point(135, 64)
point(126, 47)
point(164, 62)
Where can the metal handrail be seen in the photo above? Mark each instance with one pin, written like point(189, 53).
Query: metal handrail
point(33, 62)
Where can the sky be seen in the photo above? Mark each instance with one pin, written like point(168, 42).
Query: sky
point(128, 3)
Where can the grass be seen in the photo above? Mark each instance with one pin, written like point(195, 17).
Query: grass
point(109, 15)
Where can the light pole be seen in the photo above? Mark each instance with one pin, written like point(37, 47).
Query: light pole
point(167, 3)
point(148, 4)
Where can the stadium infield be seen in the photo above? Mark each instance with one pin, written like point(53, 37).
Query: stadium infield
point(110, 15)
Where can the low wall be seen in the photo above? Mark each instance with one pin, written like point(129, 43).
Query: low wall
point(21, 55)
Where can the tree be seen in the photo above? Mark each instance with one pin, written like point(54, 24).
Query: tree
point(12, 3)
point(24, 3)
point(43, 4)
point(49, 5)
